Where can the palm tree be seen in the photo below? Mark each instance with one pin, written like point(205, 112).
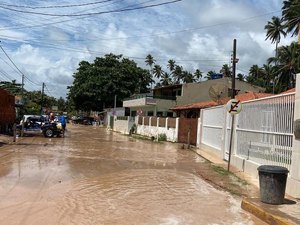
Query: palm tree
point(288, 65)
point(291, 16)
point(149, 62)
point(171, 65)
point(177, 74)
point(226, 70)
point(210, 74)
point(255, 76)
point(269, 77)
point(275, 29)
point(157, 71)
point(255, 71)
point(165, 79)
point(187, 77)
point(240, 77)
point(198, 75)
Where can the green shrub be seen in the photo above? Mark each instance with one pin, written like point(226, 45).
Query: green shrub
point(162, 137)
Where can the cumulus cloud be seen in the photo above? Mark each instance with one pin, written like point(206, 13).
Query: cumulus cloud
point(196, 34)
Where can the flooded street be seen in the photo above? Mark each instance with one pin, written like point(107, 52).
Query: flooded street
point(95, 176)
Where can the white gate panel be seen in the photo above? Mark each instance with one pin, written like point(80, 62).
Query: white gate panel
point(213, 127)
point(264, 131)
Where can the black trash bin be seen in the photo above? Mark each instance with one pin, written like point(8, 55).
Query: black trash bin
point(272, 183)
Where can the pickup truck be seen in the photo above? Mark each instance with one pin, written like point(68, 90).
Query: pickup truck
point(36, 124)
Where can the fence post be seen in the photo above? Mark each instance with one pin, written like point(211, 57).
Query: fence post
point(199, 131)
point(294, 181)
point(177, 129)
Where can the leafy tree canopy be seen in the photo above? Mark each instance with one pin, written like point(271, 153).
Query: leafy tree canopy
point(96, 84)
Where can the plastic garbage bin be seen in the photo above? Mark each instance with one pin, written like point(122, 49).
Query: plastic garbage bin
point(272, 183)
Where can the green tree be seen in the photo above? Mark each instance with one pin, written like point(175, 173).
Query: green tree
point(269, 77)
point(226, 71)
point(149, 62)
point(291, 16)
point(288, 66)
point(96, 84)
point(177, 74)
point(12, 87)
point(241, 77)
point(171, 65)
point(275, 29)
point(187, 77)
point(198, 75)
point(209, 75)
point(165, 79)
point(157, 71)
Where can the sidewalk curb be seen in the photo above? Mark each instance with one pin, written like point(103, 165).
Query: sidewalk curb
point(250, 206)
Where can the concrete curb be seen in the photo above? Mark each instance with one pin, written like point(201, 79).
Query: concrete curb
point(261, 211)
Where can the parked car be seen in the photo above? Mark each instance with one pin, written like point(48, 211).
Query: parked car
point(85, 120)
point(36, 124)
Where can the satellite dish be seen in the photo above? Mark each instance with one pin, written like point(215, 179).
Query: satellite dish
point(218, 91)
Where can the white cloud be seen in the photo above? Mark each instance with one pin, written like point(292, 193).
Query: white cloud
point(196, 33)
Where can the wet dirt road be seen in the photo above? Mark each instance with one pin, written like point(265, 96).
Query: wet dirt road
point(94, 176)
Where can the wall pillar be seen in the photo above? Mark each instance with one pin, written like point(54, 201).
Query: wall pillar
point(177, 129)
point(199, 131)
point(293, 186)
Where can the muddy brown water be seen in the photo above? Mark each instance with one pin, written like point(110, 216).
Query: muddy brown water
point(95, 176)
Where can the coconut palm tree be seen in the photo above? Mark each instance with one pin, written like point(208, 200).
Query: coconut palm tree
point(198, 75)
point(291, 16)
point(210, 74)
point(275, 29)
point(240, 77)
point(157, 71)
point(288, 65)
point(226, 71)
point(149, 62)
point(255, 71)
point(165, 79)
point(187, 77)
point(269, 77)
point(171, 65)
point(177, 74)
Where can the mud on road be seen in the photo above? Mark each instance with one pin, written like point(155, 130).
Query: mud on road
point(95, 176)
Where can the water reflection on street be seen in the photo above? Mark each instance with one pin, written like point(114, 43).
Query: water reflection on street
point(94, 176)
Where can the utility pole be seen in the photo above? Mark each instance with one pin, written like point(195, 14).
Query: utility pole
point(42, 99)
point(234, 61)
point(22, 88)
point(115, 105)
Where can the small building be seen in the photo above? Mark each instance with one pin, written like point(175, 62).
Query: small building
point(162, 99)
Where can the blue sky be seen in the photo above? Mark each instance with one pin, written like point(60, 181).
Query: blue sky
point(197, 34)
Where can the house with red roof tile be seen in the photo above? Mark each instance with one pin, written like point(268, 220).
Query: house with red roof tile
point(193, 110)
point(162, 99)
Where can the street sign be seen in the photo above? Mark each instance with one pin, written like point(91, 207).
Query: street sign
point(234, 106)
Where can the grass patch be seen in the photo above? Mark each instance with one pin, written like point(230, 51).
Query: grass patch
point(220, 170)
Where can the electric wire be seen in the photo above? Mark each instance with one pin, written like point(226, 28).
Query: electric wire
point(17, 67)
point(55, 6)
point(94, 13)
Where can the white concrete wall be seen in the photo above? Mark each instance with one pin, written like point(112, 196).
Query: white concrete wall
point(293, 184)
point(121, 126)
point(154, 131)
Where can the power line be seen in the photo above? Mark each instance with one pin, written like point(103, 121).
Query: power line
point(55, 6)
point(57, 22)
point(17, 67)
point(91, 14)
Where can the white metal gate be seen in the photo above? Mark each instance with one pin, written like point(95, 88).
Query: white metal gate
point(264, 130)
point(213, 131)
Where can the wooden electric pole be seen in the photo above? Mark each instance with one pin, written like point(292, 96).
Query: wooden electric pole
point(234, 61)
